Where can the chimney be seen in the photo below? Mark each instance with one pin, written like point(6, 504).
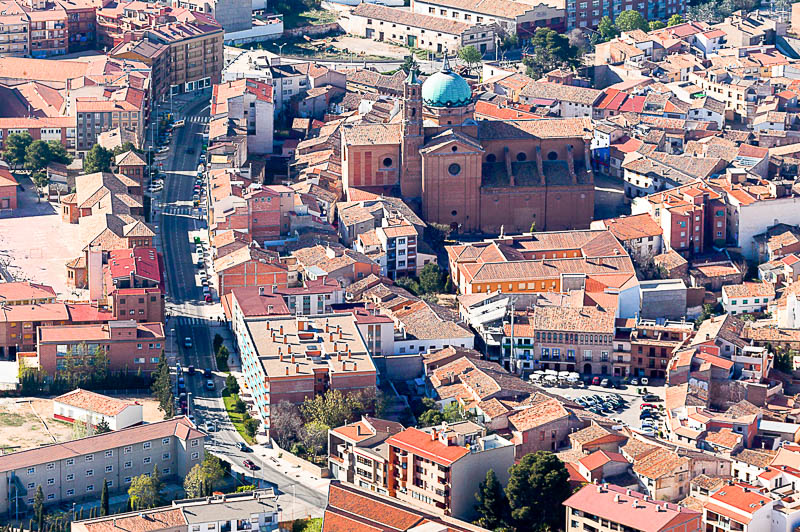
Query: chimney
point(287, 370)
point(280, 353)
point(289, 349)
point(433, 435)
point(616, 497)
point(327, 326)
point(330, 338)
point(358, 429)
point(293, 359)
point(261, 290)
point(281, 329)
point(297, 368)
point(340, 333)
point(339, 357)
point(285, 339)
point(355, 366)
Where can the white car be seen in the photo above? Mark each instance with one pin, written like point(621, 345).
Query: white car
point(644, 381)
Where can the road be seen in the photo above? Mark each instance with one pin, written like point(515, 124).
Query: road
point(192, 318)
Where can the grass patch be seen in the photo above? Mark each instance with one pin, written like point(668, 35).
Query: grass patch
point(11, 419)
point(312, 17)
point(236, 418)
point(307, 525)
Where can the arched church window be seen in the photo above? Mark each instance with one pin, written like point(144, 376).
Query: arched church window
point(454, 169)
point(552, 156)
point(521, 156)
point(454, 213)
point(455, 148)
point(387, 162)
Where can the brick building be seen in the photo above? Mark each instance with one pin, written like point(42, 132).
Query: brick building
point(504, 173)
point(8, 189)
point(287, 358)
point(652, 346)
point(249, 266)
point(127, 344)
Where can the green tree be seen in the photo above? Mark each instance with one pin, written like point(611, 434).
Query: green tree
point(538, 484)
point(471, 56)
point(58, 153)
point(162, 388)
point(315, 437)
point(14, 148)
point(551, 50)
point(232, 384)
point(606, 29)
point(784, 360)
point(212, 471)
point(218, 341)
point(630, 20)
point(431, 279)
point(38, 506)
point(37, 156)
point(125, 147)
point(222, 358)
point(98, 159)
point(102, 427)
point(675, 19)
point(143, 492)
point(431, 417)
point(239, 406)
point(656, 25)
point(104, 506)
point(409, 64)
point(193, 483)
point(333, 408)
point(41, 180)
point(251, 426)
point(492, 507)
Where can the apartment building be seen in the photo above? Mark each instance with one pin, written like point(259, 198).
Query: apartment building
point(437, 468)
point(692, 217)
point(150, 53)
point(313, 298)
point(563, 338)
point(357, 452)
point(48, 31)
point(639, 233)
point(96, 116)
point(14, 30)
point(652, 346)
point(607, 507)
point(128, 345)
point(195, 54)
point(588, 13)
point(250, 104)
point(234, 512)
point(287, 358)
point(249, 266)
point(547, 262)
point(75, 470)
point(748, 297)
point(736, 507)
point(395, 246)
point(58, 128)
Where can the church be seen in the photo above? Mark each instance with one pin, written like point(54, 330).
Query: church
point(476, 176)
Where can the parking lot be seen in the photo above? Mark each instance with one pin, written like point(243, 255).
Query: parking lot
point(629, 413)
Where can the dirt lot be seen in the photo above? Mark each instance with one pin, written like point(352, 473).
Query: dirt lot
point(35, 244)
point(27, 422)
point(359, 46)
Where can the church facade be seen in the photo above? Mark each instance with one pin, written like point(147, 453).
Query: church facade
point(476, 176)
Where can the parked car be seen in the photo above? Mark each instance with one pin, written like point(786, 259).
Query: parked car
point(243, 447)
point(645, 414)
point(651, 398)
point(210, 384)
point(634, 382)
point(190, 370)
point(249, 465)
point(604, 383)
point(211, 427)
point(644, 381)
point(596, 381)
point(646, 405)
point(187, 342)
point(207, 298)
point(648, 431)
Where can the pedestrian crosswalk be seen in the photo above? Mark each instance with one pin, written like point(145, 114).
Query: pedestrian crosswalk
point(180, 210)
point(197, 119)
point(189, 320)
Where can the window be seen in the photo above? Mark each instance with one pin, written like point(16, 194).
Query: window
point(387, 162)
point(195, 456)
point(109, 468)
point(146, 460)
point(454, 169)
point(195, 443)
point(51, 466)
point(89, 457)
point(128, 464)
point(165, 456)
point(90, 487)
point(90, 472)
point(146, 445)
point(109, 454)
point(51, 481)
point(127, 449)
point(70, 477)
point(31, 470)
point(70, 492)
point(31, 485)
point(70, 461)
point(51, 496)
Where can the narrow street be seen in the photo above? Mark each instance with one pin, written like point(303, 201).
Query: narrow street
point(190, 317)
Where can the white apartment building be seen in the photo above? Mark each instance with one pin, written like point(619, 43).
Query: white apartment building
point(92, 408)
point(747, 297)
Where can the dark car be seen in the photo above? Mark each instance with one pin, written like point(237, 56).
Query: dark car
point(207, 298)
point(190, 150)
point(645, 414)
point(651, 398)
point(249, 465)
point(243, 447)
point(207, 373)
point(190, 370)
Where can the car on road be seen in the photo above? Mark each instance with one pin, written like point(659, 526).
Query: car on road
point(644, 381)
point(190, 370)
point(604, 383)
point(651, 398)
point(190, 149)
point(211, 427)
point(187, 342)
point(210, 384)
point(634, 382)
point(207, 373)
point(208, 299)
point(243, 447)
point(596, 381)
point(249, 465)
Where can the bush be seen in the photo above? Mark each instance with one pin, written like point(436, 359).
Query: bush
point(239, 406)
point(251, 426)
point(248, 487)
point(232, 385)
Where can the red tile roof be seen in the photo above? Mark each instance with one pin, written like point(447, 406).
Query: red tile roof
point(600, 458)
point(93, 402)
point(24, 290)
point(424, 444)
point(139, 261)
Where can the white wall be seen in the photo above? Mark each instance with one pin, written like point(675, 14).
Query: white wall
point(404, 347)
point(759, 216)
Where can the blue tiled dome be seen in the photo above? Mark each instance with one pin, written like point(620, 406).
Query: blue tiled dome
point(446, 89)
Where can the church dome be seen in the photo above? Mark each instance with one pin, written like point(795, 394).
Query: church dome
point(446, 89)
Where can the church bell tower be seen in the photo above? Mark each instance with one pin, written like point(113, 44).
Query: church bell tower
point(413, 139)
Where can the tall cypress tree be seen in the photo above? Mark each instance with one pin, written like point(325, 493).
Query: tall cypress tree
point(104, 499)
